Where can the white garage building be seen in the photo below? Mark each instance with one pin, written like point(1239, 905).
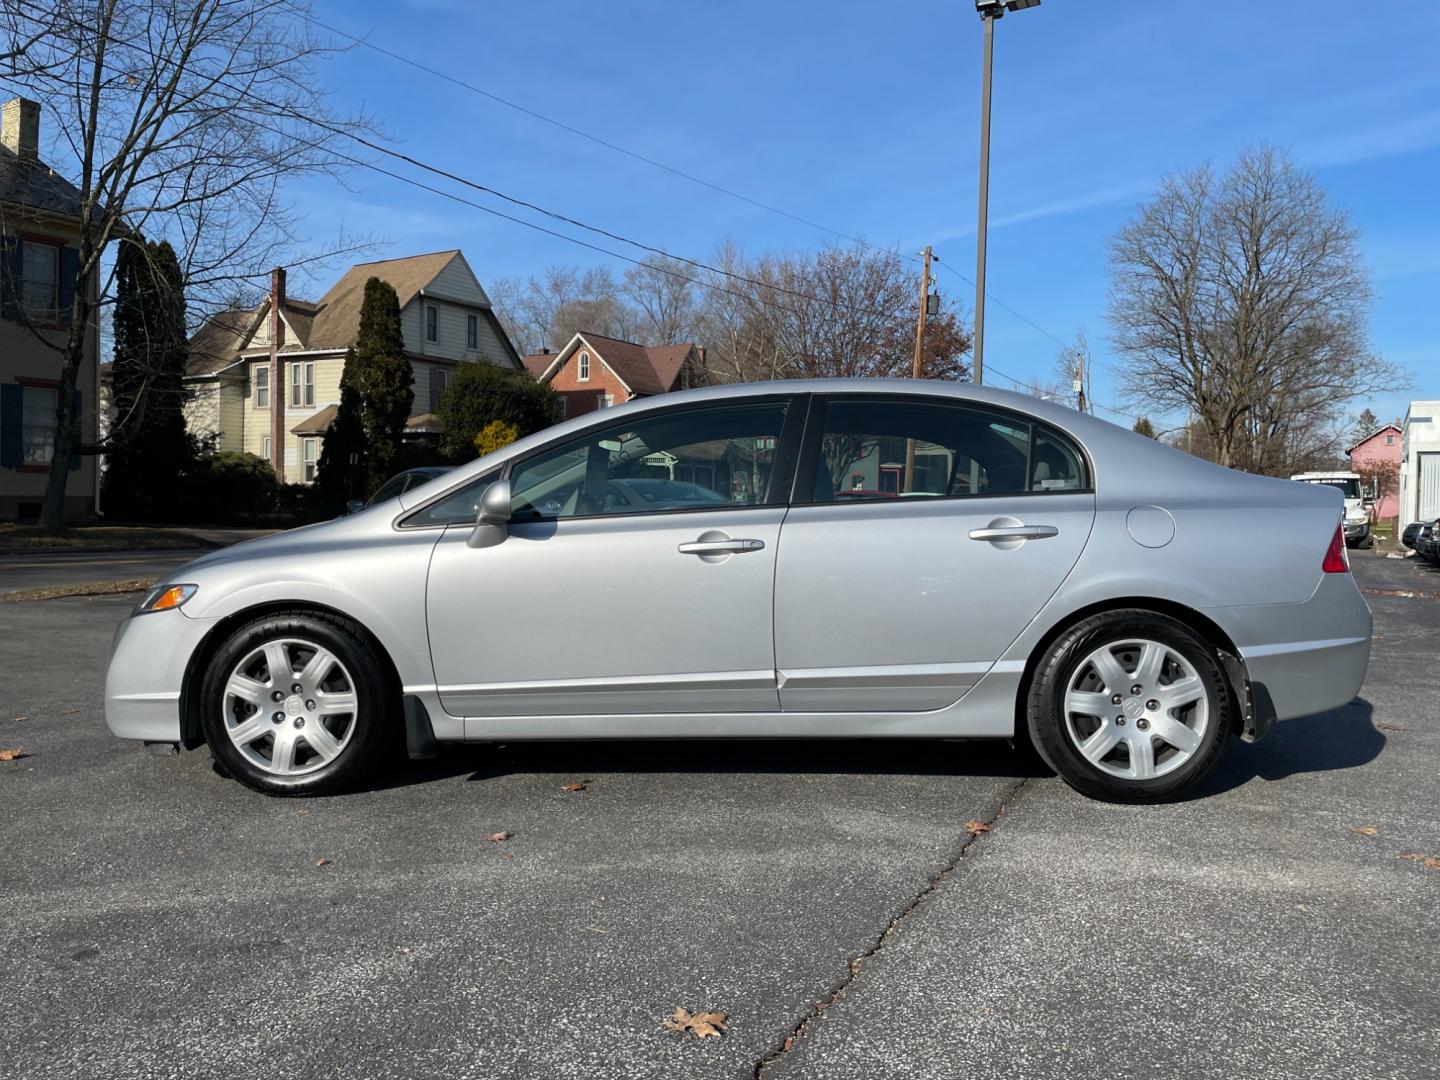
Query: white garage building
point(1420, 463)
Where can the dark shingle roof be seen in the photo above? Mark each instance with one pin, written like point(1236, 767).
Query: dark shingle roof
point(35, 186)
point(646, 369)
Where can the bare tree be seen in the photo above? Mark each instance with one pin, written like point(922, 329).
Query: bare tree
point(832, 313)
point(665, 296)
point(1243, 299)
point(177, 119)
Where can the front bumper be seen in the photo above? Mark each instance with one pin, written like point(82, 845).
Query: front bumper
point(1357, 530)
point(1307, 658)
point(148, 659)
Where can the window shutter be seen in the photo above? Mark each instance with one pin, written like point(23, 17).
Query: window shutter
point(69, 279)
point(11, 271)
point(75, 406)
point(12, 416)
point(434, 389)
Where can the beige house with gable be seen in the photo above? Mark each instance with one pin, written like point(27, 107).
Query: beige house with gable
point(446, 319)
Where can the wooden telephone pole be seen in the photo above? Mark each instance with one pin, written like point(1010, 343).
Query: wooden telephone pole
point(915, 368)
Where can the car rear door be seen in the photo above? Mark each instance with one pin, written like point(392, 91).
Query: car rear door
point(925, 534)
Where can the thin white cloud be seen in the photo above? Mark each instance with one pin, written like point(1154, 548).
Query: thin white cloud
point(1110, 196)
point(1406, 136)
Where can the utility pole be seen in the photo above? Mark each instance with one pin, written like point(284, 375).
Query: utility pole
point(984, 222)
point(989, 11)
point(916, 368)
point(1080, 380)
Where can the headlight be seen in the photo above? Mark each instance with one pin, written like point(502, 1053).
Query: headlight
point(165, 597)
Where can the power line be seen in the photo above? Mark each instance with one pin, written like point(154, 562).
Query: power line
point(617, 148)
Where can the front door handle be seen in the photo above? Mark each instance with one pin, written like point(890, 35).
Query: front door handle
point(720, 547)
point(1015, 532)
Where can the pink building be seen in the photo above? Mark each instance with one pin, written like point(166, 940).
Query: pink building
point(1382, 444)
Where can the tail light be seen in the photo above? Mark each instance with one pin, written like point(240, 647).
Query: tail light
point(1337, 560)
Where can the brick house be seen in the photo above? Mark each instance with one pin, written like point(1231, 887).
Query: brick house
point(592, 372)
point(1381, 445)
point(39, 264)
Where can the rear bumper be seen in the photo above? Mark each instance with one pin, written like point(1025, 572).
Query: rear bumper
point(148, 658)
point(1307, 658)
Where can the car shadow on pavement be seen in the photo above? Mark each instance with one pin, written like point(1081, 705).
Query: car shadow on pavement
point(1345, 738)
point(913, 757)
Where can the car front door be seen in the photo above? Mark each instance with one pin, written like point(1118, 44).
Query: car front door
point(926, 533)
point(636, 576)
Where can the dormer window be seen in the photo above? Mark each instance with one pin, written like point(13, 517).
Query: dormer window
point(583, 364)
point(432, 323)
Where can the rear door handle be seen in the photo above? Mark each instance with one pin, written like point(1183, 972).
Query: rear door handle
point(720, 547)
point(1015, 532)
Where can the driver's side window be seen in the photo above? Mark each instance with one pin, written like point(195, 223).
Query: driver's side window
point(693, 459)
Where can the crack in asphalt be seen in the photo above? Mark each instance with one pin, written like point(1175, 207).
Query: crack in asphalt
point(839, 991)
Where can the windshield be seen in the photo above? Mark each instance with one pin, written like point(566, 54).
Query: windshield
point(1350, 486)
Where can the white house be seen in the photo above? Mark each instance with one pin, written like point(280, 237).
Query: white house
point(1420, 463)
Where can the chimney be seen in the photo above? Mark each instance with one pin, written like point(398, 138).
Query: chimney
point(20, 128)
point(278, 389)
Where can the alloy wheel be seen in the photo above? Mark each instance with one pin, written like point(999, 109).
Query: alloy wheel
point(290, 707)
point(1136, 709)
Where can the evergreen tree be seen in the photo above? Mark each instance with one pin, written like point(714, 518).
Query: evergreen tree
point(1143, 426)
point(382, 380)
point(337, 479)
point(151, 449)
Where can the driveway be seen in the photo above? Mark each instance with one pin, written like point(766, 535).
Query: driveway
point(844, 903)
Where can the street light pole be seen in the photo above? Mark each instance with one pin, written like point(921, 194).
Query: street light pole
point(989, 11)
point(982, 226)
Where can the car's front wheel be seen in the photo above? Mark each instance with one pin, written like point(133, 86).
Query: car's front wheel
point(297, 703)
point(1131, 706)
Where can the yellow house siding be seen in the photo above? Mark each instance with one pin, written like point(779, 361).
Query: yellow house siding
point(231, 416)
point(202, 408)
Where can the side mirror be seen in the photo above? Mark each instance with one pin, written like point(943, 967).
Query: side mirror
point(354, 506)
point(492, 516)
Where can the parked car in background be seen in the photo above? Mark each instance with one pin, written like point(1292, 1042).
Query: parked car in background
point(1411, 532)
point(1046, 575)
point(398, 484)
point(1427, 541)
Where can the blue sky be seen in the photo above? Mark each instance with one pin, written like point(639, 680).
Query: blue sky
point(864, 117)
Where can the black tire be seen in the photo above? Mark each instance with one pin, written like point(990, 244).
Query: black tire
point(373, 729)
point(1062, 661)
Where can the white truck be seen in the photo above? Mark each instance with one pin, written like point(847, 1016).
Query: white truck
point(1357, 502)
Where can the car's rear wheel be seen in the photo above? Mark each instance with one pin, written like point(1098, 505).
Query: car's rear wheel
point(1131, 706)
point(297, 704)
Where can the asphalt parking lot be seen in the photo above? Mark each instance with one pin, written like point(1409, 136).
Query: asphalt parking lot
point(831, 898)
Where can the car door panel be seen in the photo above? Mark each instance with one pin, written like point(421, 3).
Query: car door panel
point(891, 606)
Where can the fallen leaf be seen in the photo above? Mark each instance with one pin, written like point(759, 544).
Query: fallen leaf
point(574, 785)
point(322, 862)
point(1389, 727)
point(976, 826)
point(704, 1025)
point(1365, 830)
point(498, 837)
point(1425, 860)
point(11, 755)
point(18, 719)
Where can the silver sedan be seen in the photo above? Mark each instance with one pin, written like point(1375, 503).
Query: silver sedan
point(782, 560)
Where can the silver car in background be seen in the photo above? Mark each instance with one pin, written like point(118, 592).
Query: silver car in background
point(781, 560)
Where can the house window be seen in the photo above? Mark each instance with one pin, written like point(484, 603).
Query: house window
point(262, 386)
point(583, 373)
point(439, 383)
point(40, 280)
point(265, 446)
point(1389, 440)
point(302, 384)
point(37, 424)
point(432, 323)
point(308, 458)
point(604, 401)
point(472, 331)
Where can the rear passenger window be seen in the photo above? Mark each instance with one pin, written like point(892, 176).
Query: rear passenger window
point(877, 449)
